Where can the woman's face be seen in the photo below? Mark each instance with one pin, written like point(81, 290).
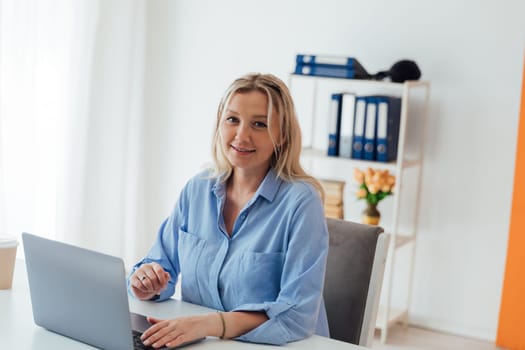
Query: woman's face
point(245, 134)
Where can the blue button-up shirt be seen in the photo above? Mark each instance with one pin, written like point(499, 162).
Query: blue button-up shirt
point(273, 262)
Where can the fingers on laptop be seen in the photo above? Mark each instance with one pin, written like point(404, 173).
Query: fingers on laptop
point(174, 332)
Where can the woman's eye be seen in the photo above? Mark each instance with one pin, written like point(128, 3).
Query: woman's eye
point(260, 124)
point(232, 119)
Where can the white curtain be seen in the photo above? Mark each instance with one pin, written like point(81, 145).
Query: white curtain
point(71, 122)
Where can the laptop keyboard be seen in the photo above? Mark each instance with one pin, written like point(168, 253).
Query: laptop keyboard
point(137, 343)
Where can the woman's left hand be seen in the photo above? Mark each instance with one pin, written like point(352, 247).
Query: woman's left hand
point(177, 331)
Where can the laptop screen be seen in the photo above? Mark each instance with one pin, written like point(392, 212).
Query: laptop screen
point(78, 293)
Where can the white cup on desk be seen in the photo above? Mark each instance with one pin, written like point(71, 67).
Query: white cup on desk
point(8, 245)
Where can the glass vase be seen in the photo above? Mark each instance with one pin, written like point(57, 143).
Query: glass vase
point(371, 215)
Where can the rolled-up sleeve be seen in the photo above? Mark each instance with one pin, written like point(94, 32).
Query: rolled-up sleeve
point(164, 252)
point(296, 312)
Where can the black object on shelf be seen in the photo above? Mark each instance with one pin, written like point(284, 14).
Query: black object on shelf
point(400, 71)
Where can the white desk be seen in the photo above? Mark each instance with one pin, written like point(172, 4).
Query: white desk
point(17, 329)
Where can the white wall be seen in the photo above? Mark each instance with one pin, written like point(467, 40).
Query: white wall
point(470, 51)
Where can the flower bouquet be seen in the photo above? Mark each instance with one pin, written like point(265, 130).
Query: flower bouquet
point(374, 186)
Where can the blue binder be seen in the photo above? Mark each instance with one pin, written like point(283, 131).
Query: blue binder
point(335, 125)
point(369, 146)
point(325, 71)
point(359, 127)
point(302, 59)
point(330, 66)
point(388, 122)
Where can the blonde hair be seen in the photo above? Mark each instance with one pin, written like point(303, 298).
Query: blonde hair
point(287, 152)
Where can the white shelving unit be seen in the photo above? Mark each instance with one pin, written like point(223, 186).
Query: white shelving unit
point(399, 212)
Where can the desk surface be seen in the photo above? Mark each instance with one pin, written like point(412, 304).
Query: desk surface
point(18, 330)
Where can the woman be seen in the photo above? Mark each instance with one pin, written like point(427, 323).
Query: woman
point(248, 238)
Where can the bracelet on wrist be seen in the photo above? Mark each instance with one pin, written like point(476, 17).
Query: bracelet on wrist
point(223, 325)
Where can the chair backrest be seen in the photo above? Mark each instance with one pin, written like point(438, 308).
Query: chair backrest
point(354, 275)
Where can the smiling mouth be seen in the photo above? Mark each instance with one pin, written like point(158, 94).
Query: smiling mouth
point(242, 150)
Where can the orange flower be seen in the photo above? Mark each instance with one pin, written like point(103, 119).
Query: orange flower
point(386, 188)
point(358, 175)
point(372, 188)
point(361, 193)
point(374, 184)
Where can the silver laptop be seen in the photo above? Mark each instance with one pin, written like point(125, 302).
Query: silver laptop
point(81, 294)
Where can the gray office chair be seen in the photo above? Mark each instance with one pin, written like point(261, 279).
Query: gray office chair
point(354, 275)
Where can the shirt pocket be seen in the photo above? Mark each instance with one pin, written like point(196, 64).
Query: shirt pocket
point(190, 249)
point(259, 277)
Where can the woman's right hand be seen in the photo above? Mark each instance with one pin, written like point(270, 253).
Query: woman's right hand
point(149, 280)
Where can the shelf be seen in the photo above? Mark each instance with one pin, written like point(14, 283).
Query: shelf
point(395, 315)
point(319, 155)
point(374, 83)
point(312, 96)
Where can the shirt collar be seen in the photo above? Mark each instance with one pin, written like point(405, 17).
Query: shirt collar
point(269, 186)
point(267, 189)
